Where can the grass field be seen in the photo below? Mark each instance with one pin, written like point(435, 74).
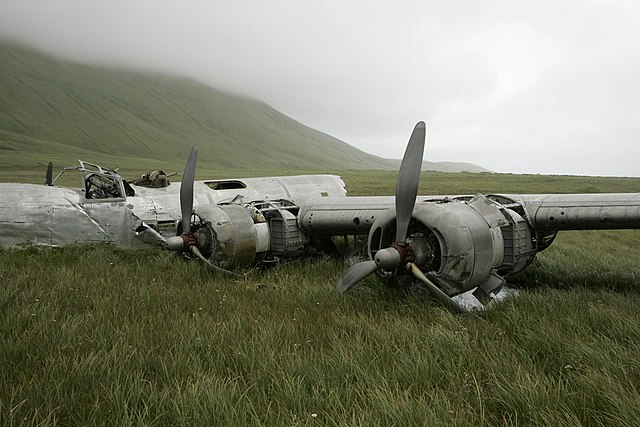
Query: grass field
point(97, 335)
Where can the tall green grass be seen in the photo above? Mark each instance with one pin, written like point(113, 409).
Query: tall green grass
point(97, 335)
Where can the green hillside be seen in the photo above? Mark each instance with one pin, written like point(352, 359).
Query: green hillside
point(445, 166)
point(55, 108)
point(52, 109)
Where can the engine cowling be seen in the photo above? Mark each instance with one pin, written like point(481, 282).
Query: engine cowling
point(228, 235)
point(234, 235)
point(458, 244)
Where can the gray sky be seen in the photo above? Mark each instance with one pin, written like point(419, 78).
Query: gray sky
point(546, 86)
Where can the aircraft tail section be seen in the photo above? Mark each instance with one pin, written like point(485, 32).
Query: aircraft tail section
point(48, 178)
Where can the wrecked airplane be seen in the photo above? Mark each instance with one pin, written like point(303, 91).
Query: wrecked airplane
point(450, 245)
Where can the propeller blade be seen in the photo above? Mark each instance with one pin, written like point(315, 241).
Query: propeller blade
point(437, 293)
point(186, 190)
point(227, 273)
point(356, 273)
point(408, 180)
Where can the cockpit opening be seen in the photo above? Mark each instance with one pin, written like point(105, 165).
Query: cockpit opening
point(226, 185)
point(101, 187)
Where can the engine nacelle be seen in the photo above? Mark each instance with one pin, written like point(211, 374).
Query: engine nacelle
point(233, 235)
point(228, 235)
point(460, 245)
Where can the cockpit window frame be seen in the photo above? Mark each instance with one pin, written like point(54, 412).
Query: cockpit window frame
point(103, 187)
point(99, 184)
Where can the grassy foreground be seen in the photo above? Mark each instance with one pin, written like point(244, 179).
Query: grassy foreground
point(96, 335)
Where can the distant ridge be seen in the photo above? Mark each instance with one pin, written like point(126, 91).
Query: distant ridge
point(51, 108)
point(445, 166)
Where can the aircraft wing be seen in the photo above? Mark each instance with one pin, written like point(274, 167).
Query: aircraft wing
point(582, 211)
point(464, 242)
point(335, 216)
point(545, 212)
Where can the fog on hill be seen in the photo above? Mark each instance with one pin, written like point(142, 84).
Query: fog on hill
point(61, 109)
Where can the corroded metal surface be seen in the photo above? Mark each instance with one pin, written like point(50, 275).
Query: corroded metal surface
point(458, 242)
point(583, 211)
point(52, 216)
point(56, 216)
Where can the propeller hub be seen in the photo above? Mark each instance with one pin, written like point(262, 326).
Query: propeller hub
point(388, 258)
point(181, 242)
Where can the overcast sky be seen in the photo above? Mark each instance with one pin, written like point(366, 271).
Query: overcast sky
point(546, 86)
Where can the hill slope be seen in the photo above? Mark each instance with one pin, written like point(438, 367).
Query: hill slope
point(445, 166)
point(54, 109)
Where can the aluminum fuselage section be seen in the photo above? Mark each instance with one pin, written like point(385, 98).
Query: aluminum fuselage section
point(52, 216)
point(33, 214)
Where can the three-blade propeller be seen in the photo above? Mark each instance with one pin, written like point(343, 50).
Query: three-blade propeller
point(393, 257)
point(406, 192)
point(187, 241)
point(397, 255)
